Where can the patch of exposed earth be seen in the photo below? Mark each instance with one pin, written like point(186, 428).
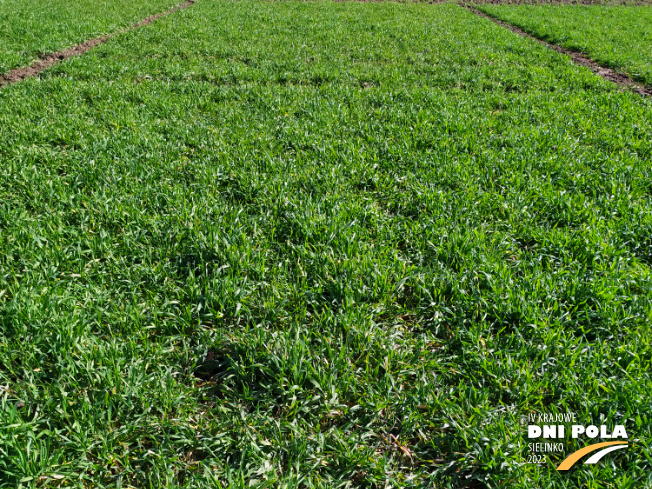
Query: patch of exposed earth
point(49, 60)
point(578, 58)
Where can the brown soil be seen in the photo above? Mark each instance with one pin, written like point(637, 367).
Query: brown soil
point(580, 59)
point(51, 59)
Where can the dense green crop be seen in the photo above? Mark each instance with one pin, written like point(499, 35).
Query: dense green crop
point(29, 28)
point(619, 37)
point(316, 244)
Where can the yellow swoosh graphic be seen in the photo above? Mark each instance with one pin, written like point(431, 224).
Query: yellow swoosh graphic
point(575, 456)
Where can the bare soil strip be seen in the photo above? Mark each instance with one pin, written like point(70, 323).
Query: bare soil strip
point(604, 72)
point(51, 59)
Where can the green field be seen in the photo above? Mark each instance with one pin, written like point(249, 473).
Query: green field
point(30, 28)
point(320, 244)
point(619, 37)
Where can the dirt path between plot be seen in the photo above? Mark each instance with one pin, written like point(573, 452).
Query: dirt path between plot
point(51, 59)
point(606, 73)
